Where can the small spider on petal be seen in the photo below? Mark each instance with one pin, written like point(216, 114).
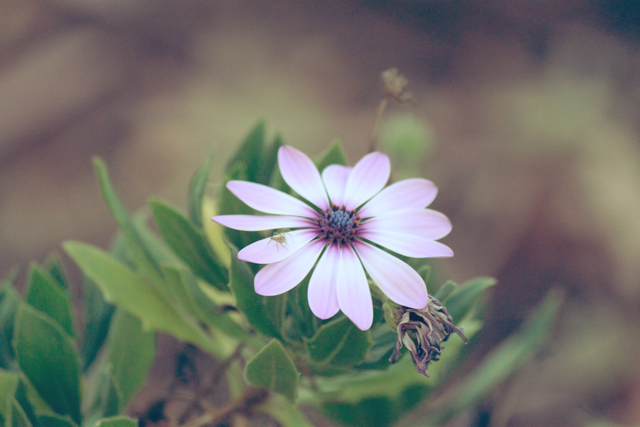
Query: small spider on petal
point(353, 211)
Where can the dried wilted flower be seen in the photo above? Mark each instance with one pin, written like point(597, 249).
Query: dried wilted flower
point(394, 85)
point(422, 331)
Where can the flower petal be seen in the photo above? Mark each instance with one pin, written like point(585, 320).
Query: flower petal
point(278, 278)
point(368, 177)
point(410, 245)
point(266, 199)
point(258, 223)
point(268, 251)
point(415, 193)
point(323, 299)
point(335, 181)
point(354, 297)
point(396, 279)
point(421, 222)
point(302, 176)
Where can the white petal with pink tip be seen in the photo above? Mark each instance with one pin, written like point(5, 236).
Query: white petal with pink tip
point(366, 180)
point(302, 176)
point(323, 298)
point(259, 223)
point(335, 181)
point(267, 251)
point(415, 193)
point(421, 222)
point(278, 278)
point(410, 245)
point(266, 199)
point(395, 278)
point(354, 297)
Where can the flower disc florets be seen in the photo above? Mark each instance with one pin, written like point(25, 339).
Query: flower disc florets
point(339, 225)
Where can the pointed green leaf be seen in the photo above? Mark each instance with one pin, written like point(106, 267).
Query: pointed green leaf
point(8, 386)
point(9, 300)
point(189, 244)
point(51, 420)
point(269, 162)
point(102, 394)
point(119, 421)
point(339, 344)
point(247, 300)
point(131, 352)
point(138, 252)
point(462, 299)
point(56, 270)
point(97, 316)
point(334, 155)
point(445, 291)
point(273, 369)
point(22, 399)
point(249, 153)
point(45, 295)
point(126, 289)
point(47, 356)
point(196, 191)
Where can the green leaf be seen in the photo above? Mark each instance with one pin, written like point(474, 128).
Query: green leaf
point(9, 300)
point(126, 289)
point(445, 291)
point(269, 162)
point(333, 156)
point(286, 414)
point(8, 386)
point(56, 270)
point(51, 420)
point(339, 344)
point(45, 295)
point(22, 399)
point(131, 352)
point(462, 299)
point(273, 369)
point(138, 252)
point(196, 191)
point(249, 153)
point(247, 300)
point(102, 394)
point(119, 421)
point(97, 315)
point(47, 356)
point(19, 418)
point(188, 243)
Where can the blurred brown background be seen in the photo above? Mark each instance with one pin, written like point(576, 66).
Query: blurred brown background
point(534, 108)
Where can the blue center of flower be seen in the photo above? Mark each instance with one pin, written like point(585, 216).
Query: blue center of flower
point(339, 225)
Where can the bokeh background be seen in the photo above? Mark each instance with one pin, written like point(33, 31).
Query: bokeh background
point(532, 117)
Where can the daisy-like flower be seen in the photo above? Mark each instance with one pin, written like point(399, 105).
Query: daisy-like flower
point(351, 211)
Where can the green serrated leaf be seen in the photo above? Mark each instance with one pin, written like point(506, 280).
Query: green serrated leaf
point(131, 352)
point(334, 155)
point(269, 162)
point(273, 369)
point(463, 298)
point(249, 153)
point(45, 295)
point(126, 289)
point(445, 291)
point(51, 420)
point(138, 252)
point(189, 244)
point(249, 303)
point(120, 421)
point(339, 344)
point(47, 356)
point(196, 191)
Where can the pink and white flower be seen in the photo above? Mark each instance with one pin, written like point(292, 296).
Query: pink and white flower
point(351, 211)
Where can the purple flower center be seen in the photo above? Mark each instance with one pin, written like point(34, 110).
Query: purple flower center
point(339, 225)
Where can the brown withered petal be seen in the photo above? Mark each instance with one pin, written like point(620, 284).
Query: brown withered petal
point(423, 331)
